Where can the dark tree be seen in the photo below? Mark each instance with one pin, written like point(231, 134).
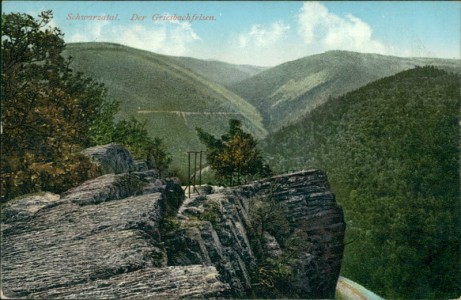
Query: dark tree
point(50, 113)
point(234, 157)
point(47, 110)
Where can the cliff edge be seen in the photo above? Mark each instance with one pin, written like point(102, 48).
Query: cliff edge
point(134, 235)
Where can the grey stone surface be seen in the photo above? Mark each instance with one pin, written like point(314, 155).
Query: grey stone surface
point(140, 165)
point(115, 186)
point(221, 241)
point(105, 227)
point(194, 281)
point(106, 239)
point(25, 208)
point(68, 244)
point(112, 158)
point(315, 219)
point(271, 246)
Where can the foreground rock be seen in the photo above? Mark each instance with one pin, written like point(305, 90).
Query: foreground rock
point(95, 231)
point(118, 236)
point(315, 221)
point(195, 281)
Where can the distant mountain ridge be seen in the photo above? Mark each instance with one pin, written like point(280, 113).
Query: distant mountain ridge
point(177, 94)
point(288, 91)
point(169, 97)
point(220, 72)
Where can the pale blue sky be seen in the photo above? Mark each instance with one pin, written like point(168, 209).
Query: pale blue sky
point(264, 33)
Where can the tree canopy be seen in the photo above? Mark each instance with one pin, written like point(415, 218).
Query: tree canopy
point(234, 157)
point(50, 113)
point(391, 150)
point(47, 110)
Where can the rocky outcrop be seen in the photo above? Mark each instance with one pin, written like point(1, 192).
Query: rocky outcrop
point(195, 281)
point(113, 158)
point(96, 231)
point(131, 235)
point(214, 232)
point(315, 220)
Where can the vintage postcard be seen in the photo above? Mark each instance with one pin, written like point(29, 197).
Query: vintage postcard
point(230, 149)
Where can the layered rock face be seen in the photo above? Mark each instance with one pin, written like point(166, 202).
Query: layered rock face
point(100, 240)
point(315, 222)
point(123, 236)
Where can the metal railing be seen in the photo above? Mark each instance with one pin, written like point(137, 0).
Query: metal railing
point(192, 176)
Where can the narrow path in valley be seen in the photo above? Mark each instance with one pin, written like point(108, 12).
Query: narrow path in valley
point(183, 114)
point(187, 113)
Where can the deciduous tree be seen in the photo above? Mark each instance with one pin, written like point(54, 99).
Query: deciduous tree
point(47, 110)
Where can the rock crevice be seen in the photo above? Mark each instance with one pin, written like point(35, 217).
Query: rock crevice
point(314, 218)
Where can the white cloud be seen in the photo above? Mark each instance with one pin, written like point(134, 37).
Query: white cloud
point(318, 29)
point(311, 15)
point(172, 38)
point(263, 35)
point(329, 31)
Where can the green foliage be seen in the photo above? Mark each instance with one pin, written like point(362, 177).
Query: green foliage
point(391, 150)
point(132, 134)
point(273, 279)
point(269, 215)
point(49, 113)
point(234, 157)
point(103, 127)
point(47, 110)
point(169, 224)
point(157, 155)
point(273, 276)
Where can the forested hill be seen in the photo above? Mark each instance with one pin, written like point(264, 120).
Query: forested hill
point(288, 91)
point(391, 150)
point(169, 97)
